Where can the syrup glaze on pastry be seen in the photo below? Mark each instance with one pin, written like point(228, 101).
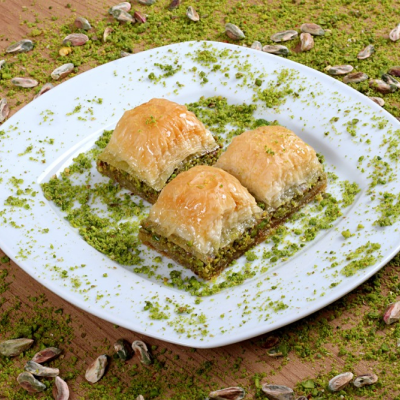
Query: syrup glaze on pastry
point(153, 139)
point(203, 210)
point(273, 163)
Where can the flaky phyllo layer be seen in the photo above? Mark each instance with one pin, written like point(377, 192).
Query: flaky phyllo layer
point(273, 163)
point(203, 210)
point(152, 140)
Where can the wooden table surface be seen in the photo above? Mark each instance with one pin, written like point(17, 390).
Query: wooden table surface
point(318, 346)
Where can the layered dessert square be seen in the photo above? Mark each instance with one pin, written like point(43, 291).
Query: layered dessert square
point(152, 144)
point(277, 167)
point(204, 219)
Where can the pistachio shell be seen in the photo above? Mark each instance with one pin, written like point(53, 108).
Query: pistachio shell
point(234, 32)
point(20, 47)
point(124, 6)
point(339, 69)
point(107, 32)
point(312, 29)
point(123, 349)
point(390, 80)
point(306, 41)
point(256, 45)
point(139, 17)
point(367, 52)
point(278, 392)
point(122, 16)
point(82, 23)
point(14, 347)
point(394, 71)
point(147, 2)
point(394, 34)
point(284, 36)
point(174, 4)
point(270, 342)
point(276, 49)
point(230, 393)
point(39, 370)
point(2, 62)
point(96, 369)
point(30, 383)
point(355, 77)
point(62, 71)
point(365, 380)
point(378, 101)
point(381, 86)
point(76, 39)
point(340, 381)
point(4, 111)
point(275, 352)
point(140, 397)
point(61, 389)
point(45, 88)
point(192, 14)
point(51, 352)
point(141, 348)
point(24, 82)
point(124, 54)
point(392, 313)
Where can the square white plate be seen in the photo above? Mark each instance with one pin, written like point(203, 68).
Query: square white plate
point(321, 110)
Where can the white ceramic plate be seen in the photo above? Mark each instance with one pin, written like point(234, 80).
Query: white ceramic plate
point(303, 284)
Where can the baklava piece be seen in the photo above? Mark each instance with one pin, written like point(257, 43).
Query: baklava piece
point(204, 219)
point(281, 171)
point(152, 144)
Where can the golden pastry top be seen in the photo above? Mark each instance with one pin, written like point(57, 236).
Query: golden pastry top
point(272, 162)
point(151, 140)
point(206, 207)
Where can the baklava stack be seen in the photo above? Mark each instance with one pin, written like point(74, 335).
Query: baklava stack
point(205, 217)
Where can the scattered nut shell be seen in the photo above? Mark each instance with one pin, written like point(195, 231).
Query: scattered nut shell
point(141, 348)
point(124, 6)
point(256, 45)
point(24, 82)
point(284, 36)
point(14, 347)
point(4, 111)
point(45, 88)
point(312, 29)
point(20, 47)
point(378, 100)
point(306, 42)
point(340, 381)
point(367, 52)
point(61, 390)
point(30, 383)
point(339, 69)
point(278, 392)
point(365, 380)
point(392, 313)
point(82, 23)
point(39, 370)
point(230, 393)
point(277, 50)
point(192, 14)
point(97, 369)
point(76, 39)
point(62, 72)
point(355, 77)
point(394, 34)
point(123, 349)
point(234, 32)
